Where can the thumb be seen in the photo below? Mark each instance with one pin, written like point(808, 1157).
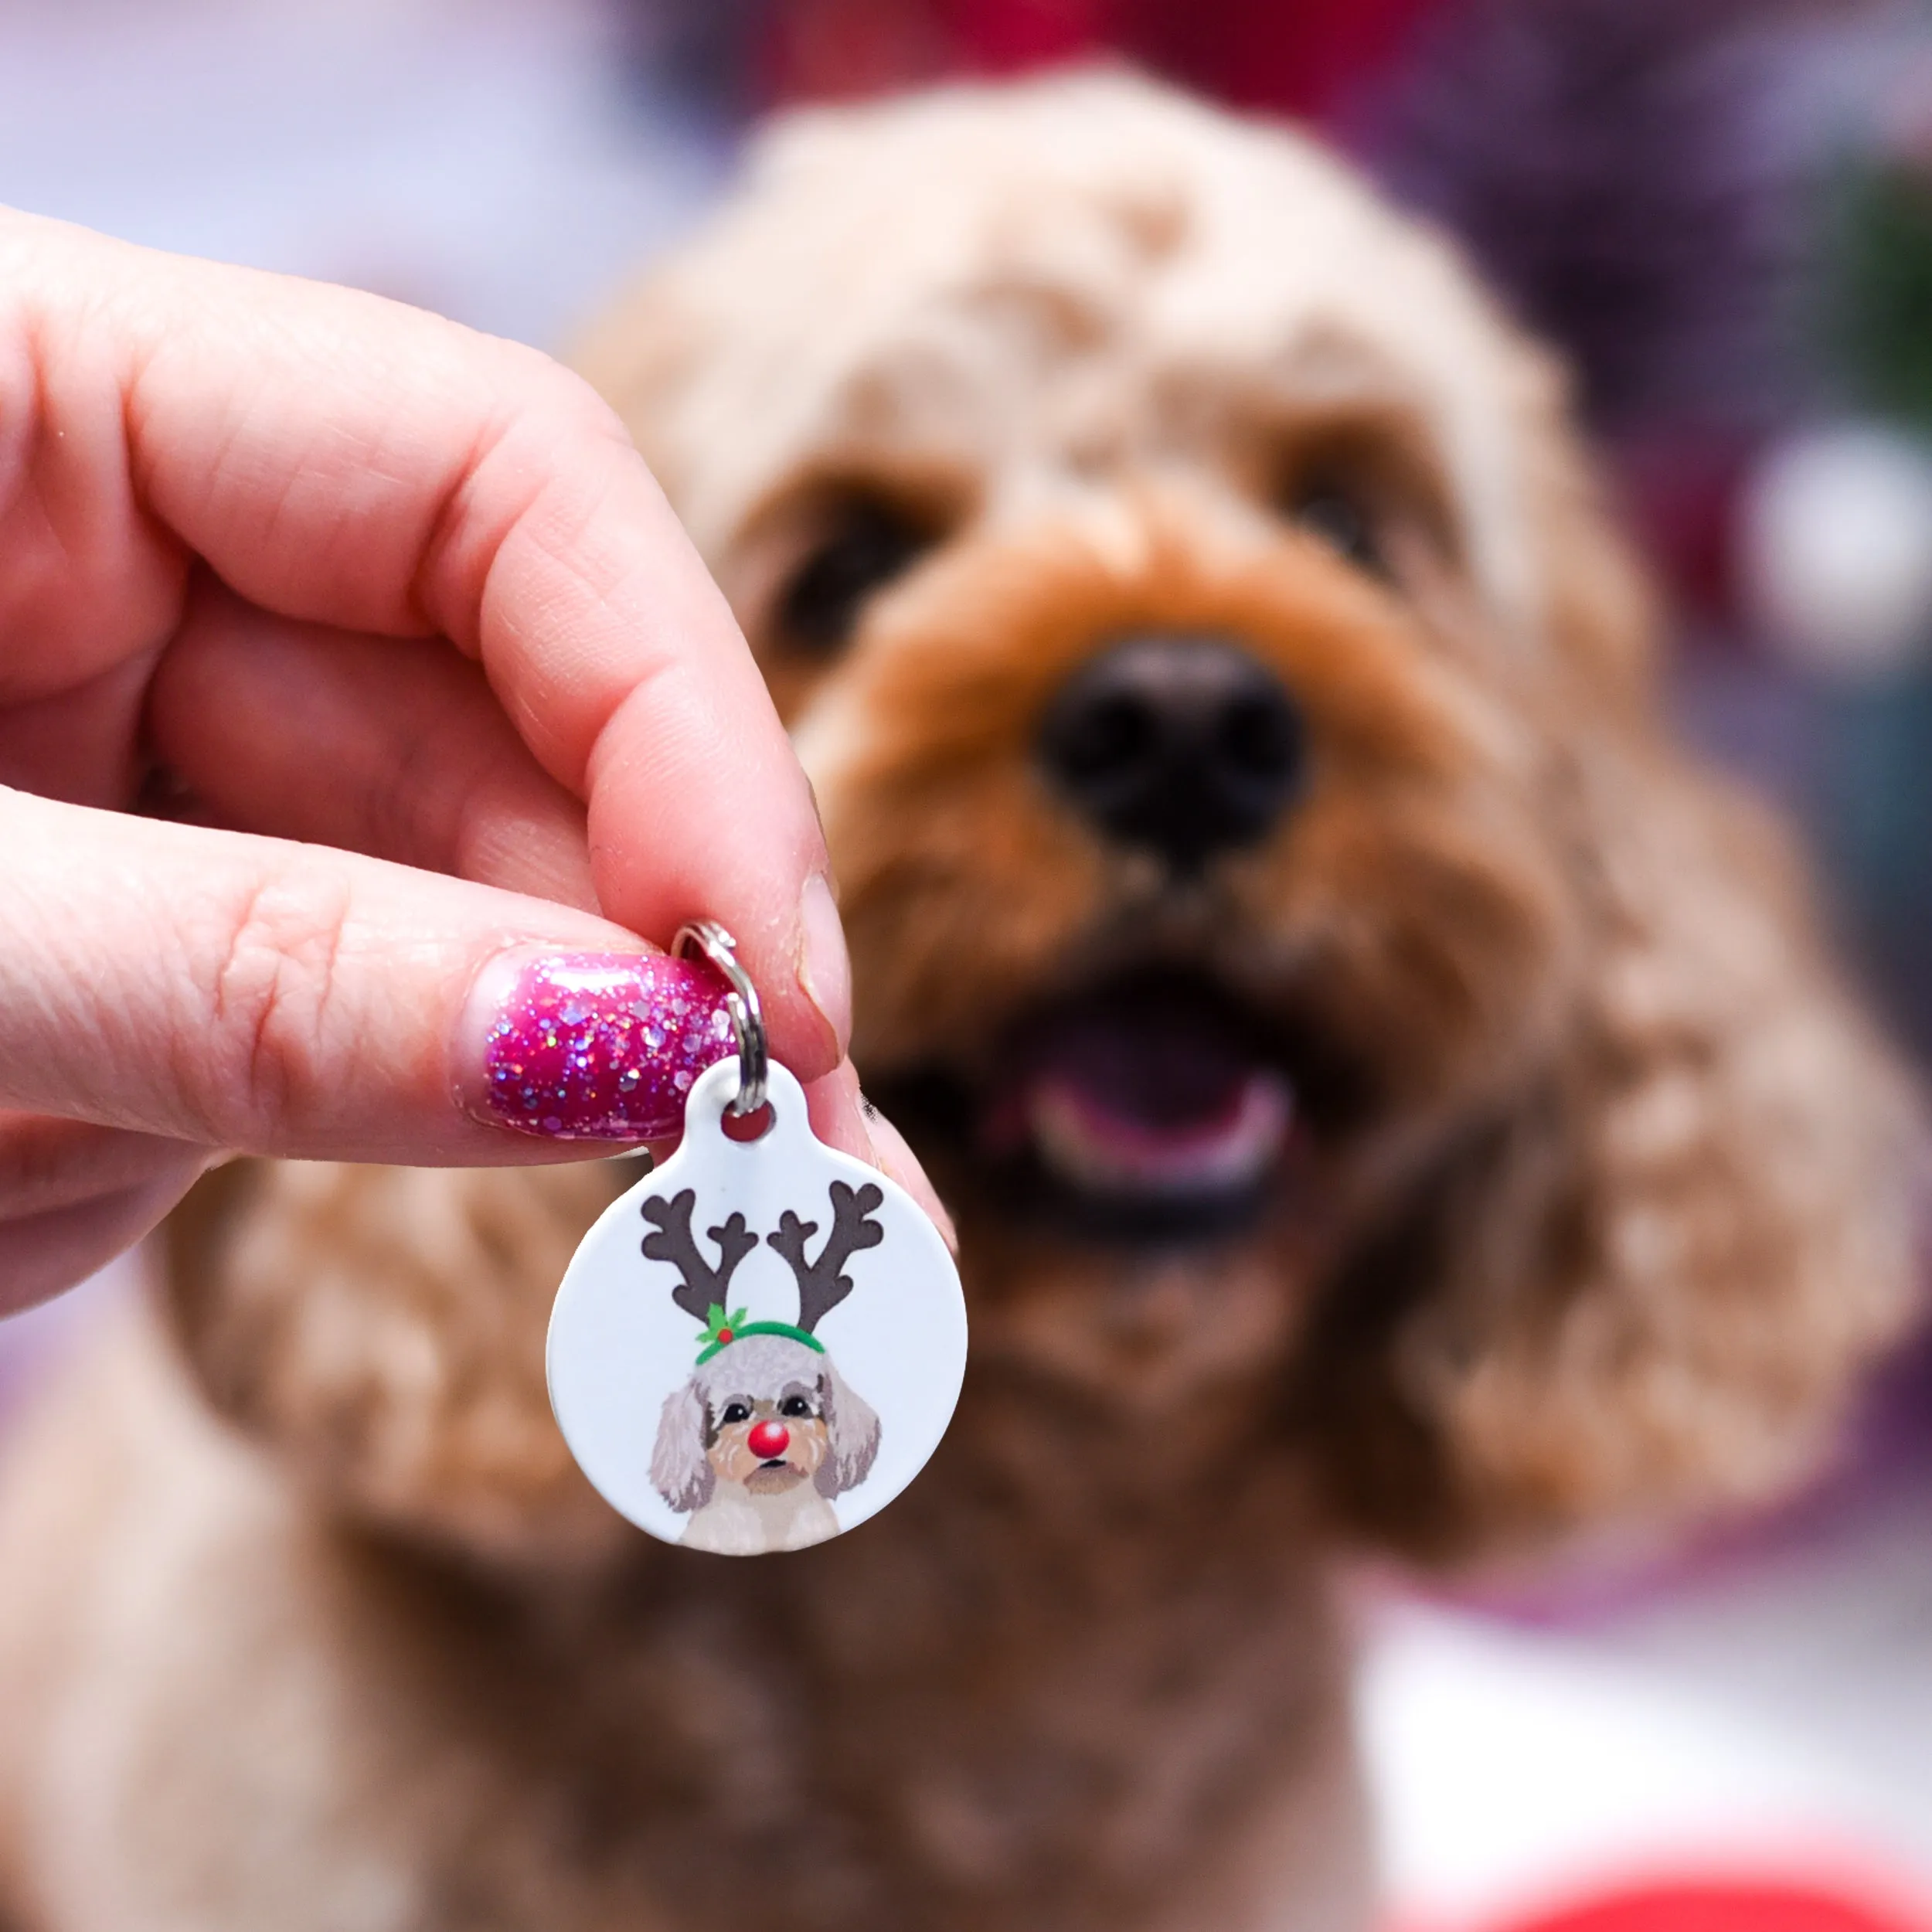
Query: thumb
point(238, 992)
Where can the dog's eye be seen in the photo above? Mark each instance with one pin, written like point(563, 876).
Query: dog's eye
point(736, 1411)
point(794, 1405)
point(869, 543)
point(1327, 510)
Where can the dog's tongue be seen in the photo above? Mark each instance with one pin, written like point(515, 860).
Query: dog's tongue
point(1147, 1091)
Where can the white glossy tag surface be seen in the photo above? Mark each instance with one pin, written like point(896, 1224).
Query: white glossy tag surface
point(760, 1345)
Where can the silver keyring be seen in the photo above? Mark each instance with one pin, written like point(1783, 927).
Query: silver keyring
point(748, 1016)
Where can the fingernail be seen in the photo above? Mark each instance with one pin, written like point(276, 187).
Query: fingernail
point(825, 966)
point(593, 1046)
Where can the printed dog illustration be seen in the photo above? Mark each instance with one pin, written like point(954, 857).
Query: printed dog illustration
point(767, 1432)
point(1393, 1097)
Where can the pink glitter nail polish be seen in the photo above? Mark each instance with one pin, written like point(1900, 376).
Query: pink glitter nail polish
point(603, 1045)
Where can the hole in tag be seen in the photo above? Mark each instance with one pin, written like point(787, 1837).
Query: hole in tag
point(746, 1126)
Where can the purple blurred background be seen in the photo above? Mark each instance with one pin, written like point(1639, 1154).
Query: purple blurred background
point(1721, 208)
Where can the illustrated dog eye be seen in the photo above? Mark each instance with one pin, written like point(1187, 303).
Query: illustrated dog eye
point(870, 543)
point(794, 1405)
point(736, 1411)
point(1335, 515)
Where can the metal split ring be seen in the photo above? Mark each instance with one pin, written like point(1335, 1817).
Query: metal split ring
point(741, 1003)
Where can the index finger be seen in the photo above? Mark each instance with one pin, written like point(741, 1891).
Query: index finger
point(341, 459)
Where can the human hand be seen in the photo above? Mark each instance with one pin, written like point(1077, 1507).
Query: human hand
point(437, 689)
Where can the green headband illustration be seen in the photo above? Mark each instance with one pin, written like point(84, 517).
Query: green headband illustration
point(702, 1285)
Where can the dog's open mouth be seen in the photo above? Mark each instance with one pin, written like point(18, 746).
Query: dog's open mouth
point(1157, 1104)
point(1142, 1091)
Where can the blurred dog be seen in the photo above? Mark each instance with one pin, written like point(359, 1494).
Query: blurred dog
point(1390, 1096)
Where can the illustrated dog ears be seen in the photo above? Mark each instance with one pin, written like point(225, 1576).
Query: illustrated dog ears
point(679, 1469)
point(852, 1425)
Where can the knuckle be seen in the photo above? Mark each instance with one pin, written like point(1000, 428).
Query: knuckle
point(539, 384)
point(274, 995)
point(571, 397)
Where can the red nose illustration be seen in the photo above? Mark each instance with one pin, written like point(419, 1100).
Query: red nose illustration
point(768, 1441)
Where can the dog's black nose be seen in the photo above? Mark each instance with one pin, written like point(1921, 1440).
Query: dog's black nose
point(1186, 747)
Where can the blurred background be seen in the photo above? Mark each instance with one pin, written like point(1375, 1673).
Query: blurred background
point(1723, 210)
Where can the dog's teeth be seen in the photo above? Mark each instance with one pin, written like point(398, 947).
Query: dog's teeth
point(1101, 1152)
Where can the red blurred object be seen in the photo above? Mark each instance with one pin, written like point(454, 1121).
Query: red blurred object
point(845, 50)
point(1713, 1907)
point(1008, 36)
point(1303, 57)
point(1296, 56)
point(1680, 490)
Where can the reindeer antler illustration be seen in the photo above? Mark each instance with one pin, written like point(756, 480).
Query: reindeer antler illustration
point(702, 1287)
point(823, 1284)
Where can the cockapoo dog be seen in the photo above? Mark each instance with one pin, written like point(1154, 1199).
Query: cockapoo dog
point(1392, 1098)
point(767, 1432)
point(756, 1444)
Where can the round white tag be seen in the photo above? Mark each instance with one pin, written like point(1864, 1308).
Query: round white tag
point(760, 1344)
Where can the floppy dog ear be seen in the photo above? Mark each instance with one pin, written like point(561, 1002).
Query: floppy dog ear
point(1647, 1283)
point(679, 1467)
point(852, 1424)
point(380, 1331)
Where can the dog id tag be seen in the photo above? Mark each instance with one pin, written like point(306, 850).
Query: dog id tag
point(760, 1344)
